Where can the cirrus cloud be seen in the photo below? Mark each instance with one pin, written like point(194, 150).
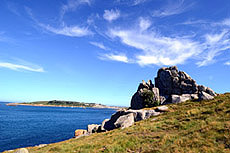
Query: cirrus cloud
point(72, 31)
point(115, 57)
point(19, 67)
point(155, 48)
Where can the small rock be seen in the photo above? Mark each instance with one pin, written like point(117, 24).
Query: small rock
point(125, 121)
point(22, 150)
point(154, 119)
point(138, 114)
point(205, 96)
point(183, 98)
point(42, 145)
point(162, 109)
point(79, 132)
point(151, 113)
point(180, 98)
point(92, 128)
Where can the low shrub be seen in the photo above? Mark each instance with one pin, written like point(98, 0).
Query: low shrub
point(148, 99)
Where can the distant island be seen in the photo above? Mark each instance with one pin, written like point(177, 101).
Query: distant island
point(60, 103)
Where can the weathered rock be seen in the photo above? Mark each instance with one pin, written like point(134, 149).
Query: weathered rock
point(138, 114)
point(79, 132)
point(201, 88)
point(103, 125)
point(205, 96)
point(170, 81)
point(210, 91)
point(163, 99)
point(92, 128)
point(42, 145)
point(109, 125)
point(22, 150)
point(151, 113)
point(162, 109)
point(125, 121)
point(183, 98)
point(137, 101)
point(150, 84)
point(121, 116)
point(156, 94)
point(171, 86)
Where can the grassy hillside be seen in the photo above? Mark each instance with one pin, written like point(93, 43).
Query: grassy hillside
point(188, 127)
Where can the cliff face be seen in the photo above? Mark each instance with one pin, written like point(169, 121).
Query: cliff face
point(171, 86)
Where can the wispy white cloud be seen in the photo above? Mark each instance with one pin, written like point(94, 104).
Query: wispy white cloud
point(19, 67)
point(226, 22)
point(155, 48)
point(223, 23)
point(72, 5)
point(115, 57)
point(194, 22)
point(72, 31)
point(173, 8)
point(136, 2)
point(227, 63)
point(12, 7)
point(214, 44)
point(111, 15)
point(100, 45)
point(144, 24)
point(130, 2)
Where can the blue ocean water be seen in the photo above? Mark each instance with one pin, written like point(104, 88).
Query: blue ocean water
point(22, 126)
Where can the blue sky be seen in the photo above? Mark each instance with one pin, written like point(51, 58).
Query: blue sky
point(97, 51)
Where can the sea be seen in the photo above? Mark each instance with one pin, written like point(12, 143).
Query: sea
point(23, 126)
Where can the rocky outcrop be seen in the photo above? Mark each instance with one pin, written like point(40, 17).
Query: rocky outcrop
point(171, 86)
point(170, 81)
point(138, 99)
point(126, 118)
point(80, 132)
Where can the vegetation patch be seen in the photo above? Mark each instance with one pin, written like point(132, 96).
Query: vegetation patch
point(148, 99)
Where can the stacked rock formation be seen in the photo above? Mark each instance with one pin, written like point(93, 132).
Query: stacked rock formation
point(171, 86)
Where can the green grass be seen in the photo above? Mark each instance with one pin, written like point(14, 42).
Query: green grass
point(188, 127)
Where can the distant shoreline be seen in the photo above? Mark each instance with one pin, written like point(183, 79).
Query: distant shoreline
point(45, 105)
